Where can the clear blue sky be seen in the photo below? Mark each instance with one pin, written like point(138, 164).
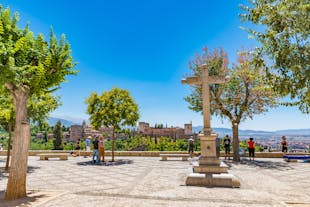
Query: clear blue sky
point(144, 46)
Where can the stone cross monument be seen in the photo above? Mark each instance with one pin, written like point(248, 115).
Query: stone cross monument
point(210, 170)
point(205, 81)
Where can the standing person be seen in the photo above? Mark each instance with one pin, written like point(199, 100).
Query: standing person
point(95, 151)
point(191, 146)
point(227, 142)
point(87, 141)
point(251, 147)
point(101, 149)
point(78, 147)
point(284, 145)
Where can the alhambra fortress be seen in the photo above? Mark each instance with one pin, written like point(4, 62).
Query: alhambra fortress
point(82, 131)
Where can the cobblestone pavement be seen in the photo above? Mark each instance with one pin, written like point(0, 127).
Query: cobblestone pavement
point(147, 181)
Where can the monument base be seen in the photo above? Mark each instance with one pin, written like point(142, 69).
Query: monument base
point(216, 169)
point(212, 180)
point(210, 171)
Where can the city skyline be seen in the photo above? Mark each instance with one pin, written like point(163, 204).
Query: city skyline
point(145, 47)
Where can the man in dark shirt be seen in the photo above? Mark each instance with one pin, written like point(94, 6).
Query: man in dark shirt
point(227, 146)
point(95, 151)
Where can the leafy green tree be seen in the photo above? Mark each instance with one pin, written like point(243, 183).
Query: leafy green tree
point(284, 38)
point(28, 65)
point(58, 136)
point(245, 95)
point(114, 108)
point(7, 119)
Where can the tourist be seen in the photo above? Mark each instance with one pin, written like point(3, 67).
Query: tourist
point(95, 151)
point(78, 147)
point(227, 142)
point(191, 146)
point(101, 149)
point(284, 145)
point(251, 147)
point(87, 141)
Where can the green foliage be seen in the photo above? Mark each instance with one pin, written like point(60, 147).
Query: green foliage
point(58, 136)
point(114, 108)
point(244, 95)
point(29, 61)
point(36, 144)
point(69, 146)
point(140, 143)
point(40, 106)
point(284, 39)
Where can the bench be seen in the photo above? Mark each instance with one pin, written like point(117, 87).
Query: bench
point(56, 155)
point(296, 158)
point(183, 156)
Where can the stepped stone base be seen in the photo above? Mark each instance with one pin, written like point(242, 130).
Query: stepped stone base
point(216, 169)
point(212, 180)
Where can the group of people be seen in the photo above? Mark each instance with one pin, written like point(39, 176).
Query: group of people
point(97, 145)
point(227, 143)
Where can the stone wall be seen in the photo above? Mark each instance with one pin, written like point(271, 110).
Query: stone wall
point(152, 153)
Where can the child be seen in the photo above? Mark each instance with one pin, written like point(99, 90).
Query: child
point(251, 147)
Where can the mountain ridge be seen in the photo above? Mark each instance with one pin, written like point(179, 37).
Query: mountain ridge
point(221, 131)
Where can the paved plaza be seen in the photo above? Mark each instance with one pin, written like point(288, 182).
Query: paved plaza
point(147, 182)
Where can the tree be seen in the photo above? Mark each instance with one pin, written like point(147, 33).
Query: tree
point(28, 65)
point(245, 95)
point(58, 136)
point(284, 38)
point(114, 108)
point(7, 119)
point(38, 107)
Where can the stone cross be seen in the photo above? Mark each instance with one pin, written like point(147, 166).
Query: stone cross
point(205, 80)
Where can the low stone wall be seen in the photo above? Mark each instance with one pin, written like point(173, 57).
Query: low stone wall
point(151, 153)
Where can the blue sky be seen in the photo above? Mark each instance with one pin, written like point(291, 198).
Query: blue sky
point(144, 46)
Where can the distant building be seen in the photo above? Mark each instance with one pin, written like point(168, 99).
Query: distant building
point(172, 132)
point(76, 132)
point(83, 131)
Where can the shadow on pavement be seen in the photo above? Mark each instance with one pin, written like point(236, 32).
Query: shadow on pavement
point(5, 174)
point(106, 163)
point(278, 165)
point(31, 198)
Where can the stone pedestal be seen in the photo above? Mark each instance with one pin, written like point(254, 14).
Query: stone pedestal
point(210, 171)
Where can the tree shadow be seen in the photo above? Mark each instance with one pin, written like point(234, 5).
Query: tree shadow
point(265, 164)
point(27, 201)
point(5, 174)
point(106, 163)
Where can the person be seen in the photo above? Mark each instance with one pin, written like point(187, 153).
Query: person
point(77, 147)
point(95, 151)
point(101, 149)
point(251, 148)
point(1, 147)
point(191, 146)
point(87, 141)
point(227, 142)
point(284, 144)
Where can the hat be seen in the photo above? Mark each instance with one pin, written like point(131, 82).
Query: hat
point(89, 137)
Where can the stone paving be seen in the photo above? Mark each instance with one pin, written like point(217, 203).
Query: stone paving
point(147, 181)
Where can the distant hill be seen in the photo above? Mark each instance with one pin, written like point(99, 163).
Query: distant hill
point(52, 121)
point(223, 131)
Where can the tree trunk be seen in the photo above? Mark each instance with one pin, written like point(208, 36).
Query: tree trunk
point(113, 145)
point(16, 186)
point(8, 152)
point(235, 130)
